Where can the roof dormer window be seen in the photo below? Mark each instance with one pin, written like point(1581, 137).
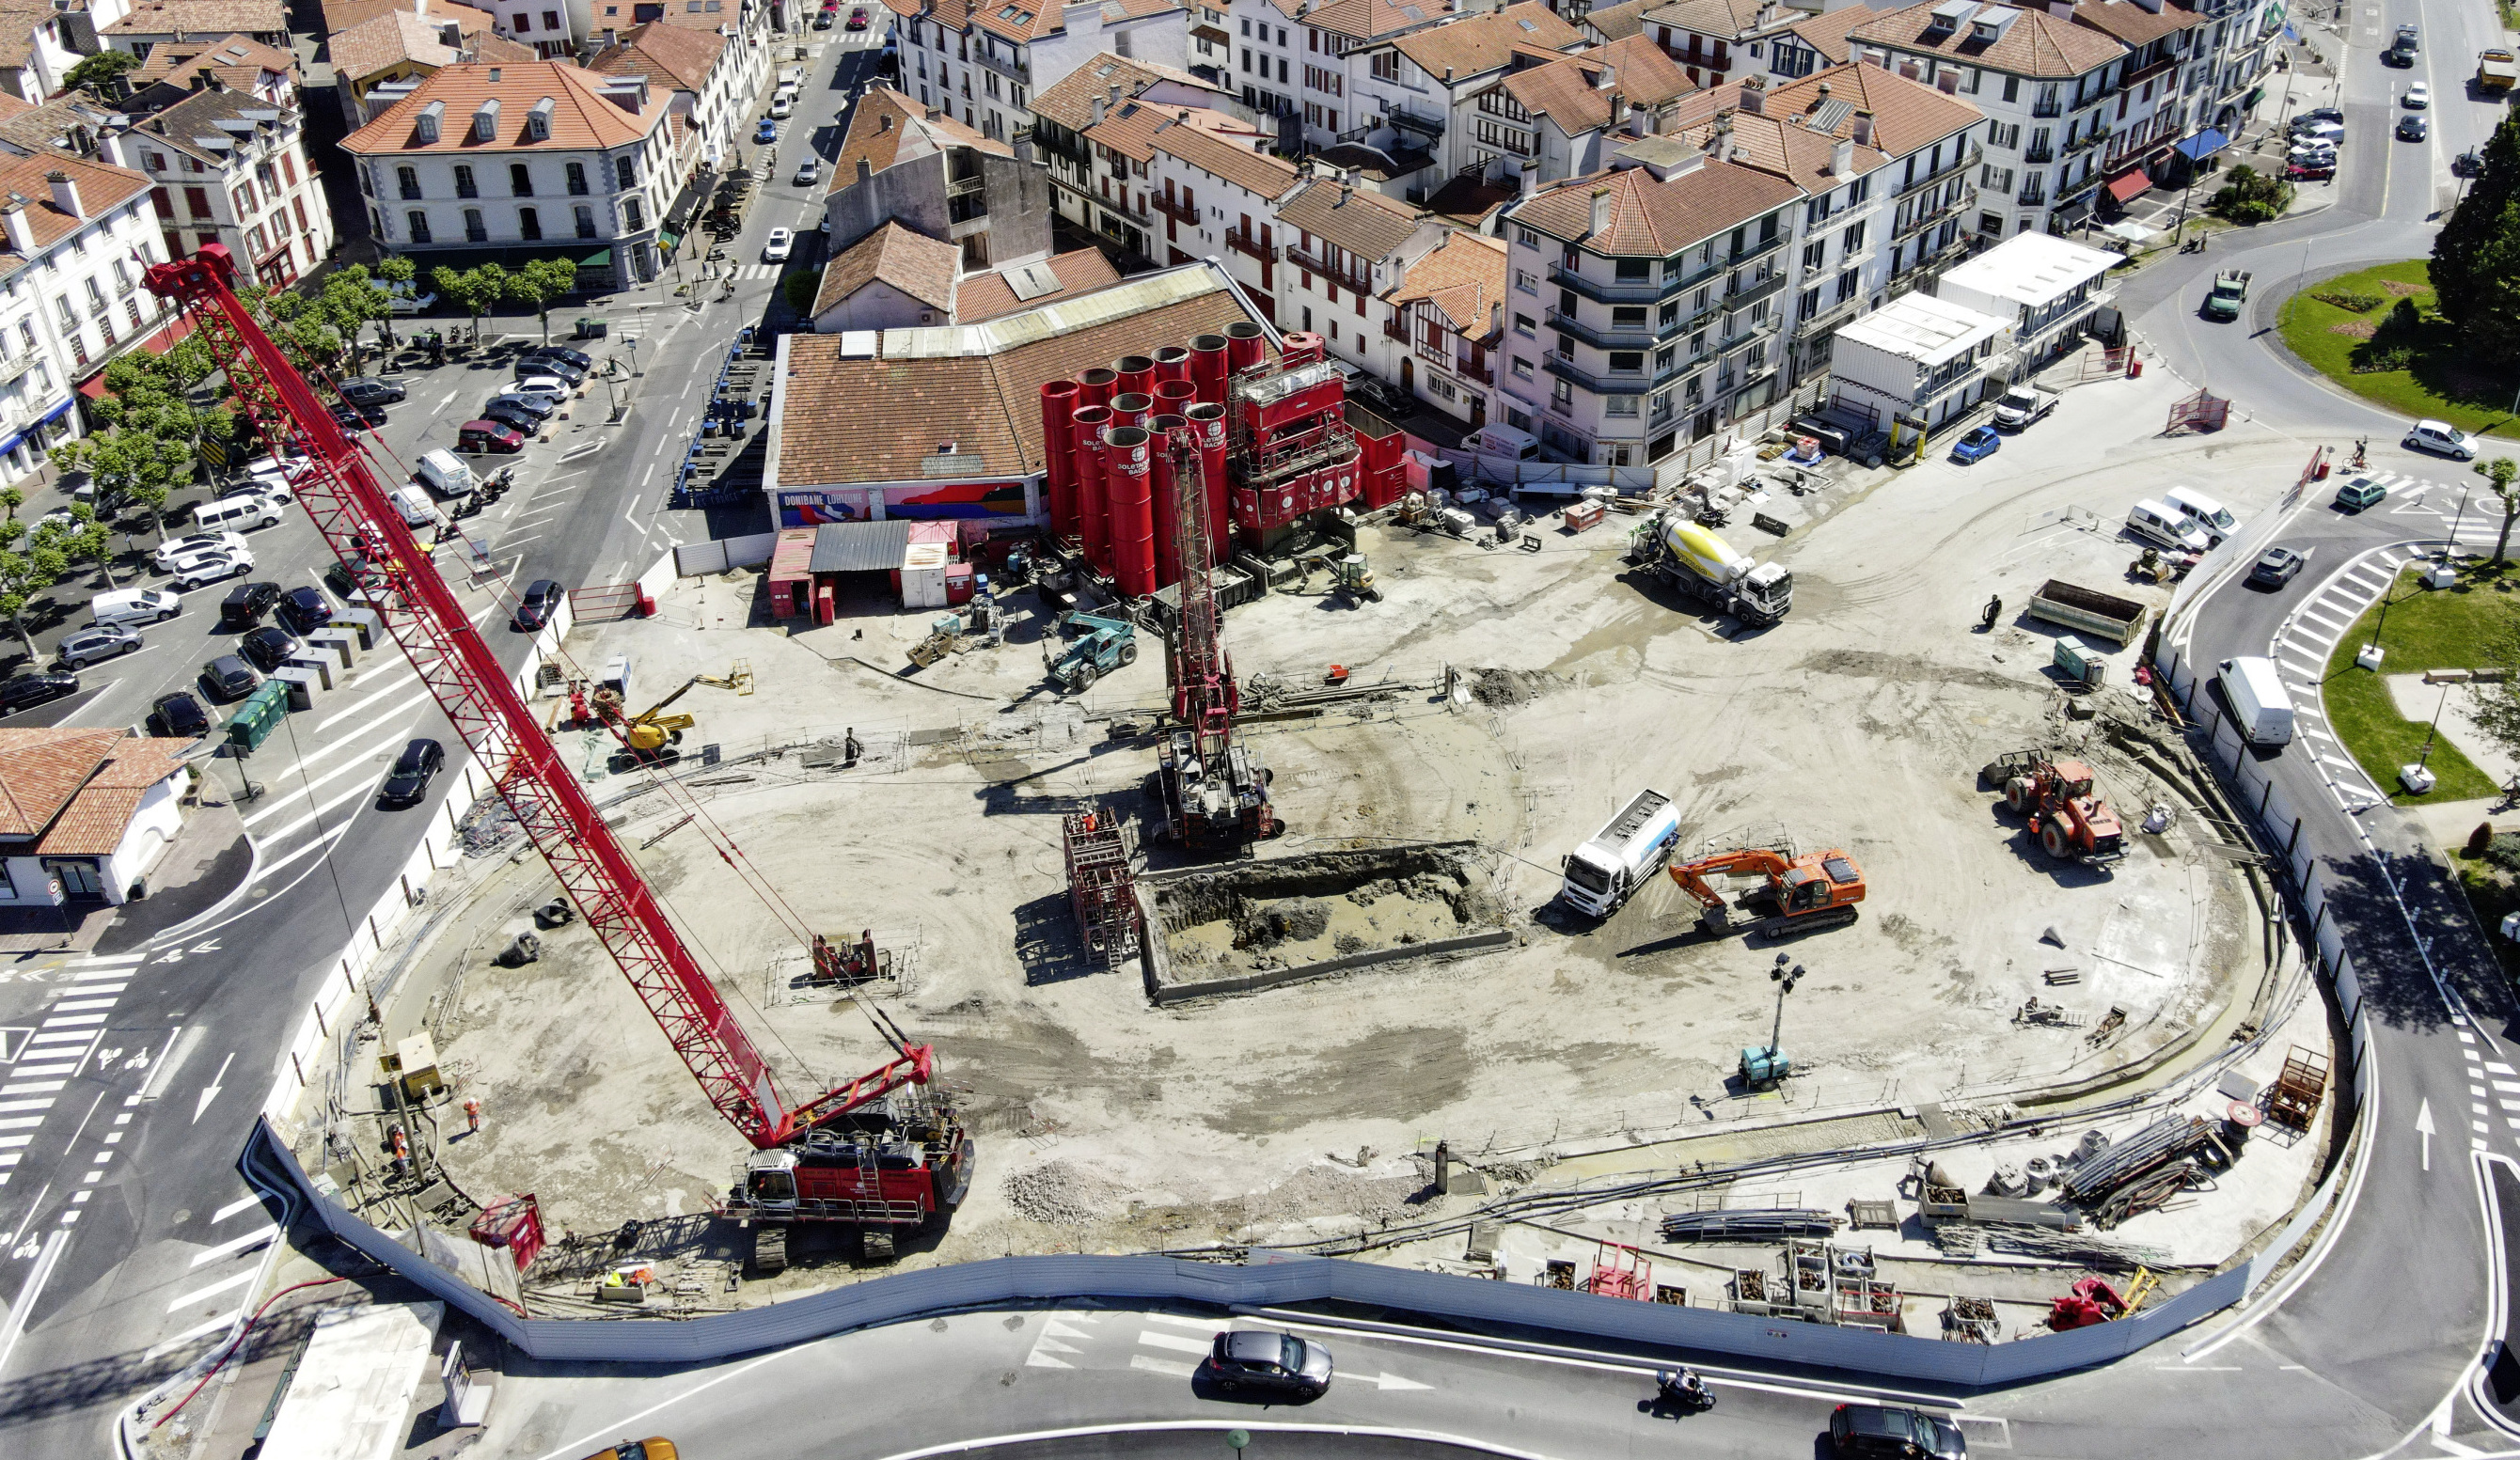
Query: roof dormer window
point(538, 121)
point(431, 117)
point(486, 121)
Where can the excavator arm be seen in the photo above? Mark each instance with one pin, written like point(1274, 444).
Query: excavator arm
point(1691, 875)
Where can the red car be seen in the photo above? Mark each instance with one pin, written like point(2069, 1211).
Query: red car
point(487, 435)
point(858, 18)
point(2298, 172)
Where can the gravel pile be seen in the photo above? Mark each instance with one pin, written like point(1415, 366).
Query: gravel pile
point(1331, 1190)
point(1060, 1194)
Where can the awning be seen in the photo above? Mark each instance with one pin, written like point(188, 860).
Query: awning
point(93, 387)
point(2203, 144)
point(2126, 188)
point(57, 413)
point(860, 547)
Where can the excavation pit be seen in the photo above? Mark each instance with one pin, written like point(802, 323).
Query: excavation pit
point(1262, 925)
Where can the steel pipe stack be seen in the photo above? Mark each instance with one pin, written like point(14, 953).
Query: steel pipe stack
point(1092, 519)
point(1131, 407)
point(1172, 363)
point(1095, 387)
point(1207, 367)
point(1175, 397)
point(1132, 552)
point(1165, 492)
point(1246, 344)
point(1137, 374)
point(1058, 454)
point(1207, 427)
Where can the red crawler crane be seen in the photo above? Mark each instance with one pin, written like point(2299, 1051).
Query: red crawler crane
point(851, 1154)
point(1215, 790)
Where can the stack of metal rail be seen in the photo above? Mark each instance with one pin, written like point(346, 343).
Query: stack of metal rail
point(2144, 1172)
point(1763, 1225)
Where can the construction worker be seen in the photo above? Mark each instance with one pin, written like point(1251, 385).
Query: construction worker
point(1993, 611)
point(472, 1116)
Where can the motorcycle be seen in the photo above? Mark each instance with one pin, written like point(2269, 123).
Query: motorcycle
point(1683, 1391)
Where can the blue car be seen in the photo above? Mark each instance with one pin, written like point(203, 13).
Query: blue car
point(768, 131)
point(1982, 442)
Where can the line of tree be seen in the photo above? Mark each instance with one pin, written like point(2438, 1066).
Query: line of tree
point(2476, 255)
point(483, 288)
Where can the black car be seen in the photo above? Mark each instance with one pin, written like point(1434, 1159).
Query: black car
point(1265, 1358)
point(181, 716)
point(268, 647)
point(228, 677)
point(363, 390)
point(358, 418)
point(514, 417)
point(2413, 128)
point(551, 364)
point(247, 603)
point(1884, 1430)
point(542, 597)
point(306, 609)
point(408, 780)
point(2275, 568)
point(41, 686)
point(578, 358)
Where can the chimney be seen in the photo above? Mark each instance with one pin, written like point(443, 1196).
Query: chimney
point(1754, 99)
point(13, 220)
point(1495, 317)
point(1600, 210)
point(1447, 76)
point(1528, 181)
point(1354, 177)
point(1863, 129)
point(865, 169)
point(65, 193)
point(1099, 104)
point(1841, 158)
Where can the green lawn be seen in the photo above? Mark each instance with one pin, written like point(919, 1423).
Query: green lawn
point(2441, 381)
point(2426, 629)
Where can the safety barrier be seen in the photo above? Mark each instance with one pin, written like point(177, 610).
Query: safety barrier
point(1269, 1280)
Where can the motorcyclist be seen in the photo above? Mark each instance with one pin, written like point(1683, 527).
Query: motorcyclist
point(1682, 1385)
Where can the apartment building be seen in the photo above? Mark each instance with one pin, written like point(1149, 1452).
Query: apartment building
point(1557, 120)
point(75, 240)
point(516, 161)
point(2070, 105)
point(403, 45)
point(1174, 183)
point(1445, 324)
point(910, 164)
point(1290, 58)
point(1343, 244)
point(231, 168)
point(40, 42)
point(1410, 94)
point(1063, 114)
point(1711, 39)
point(708, 78)
point(1211, 42)
point(985, 61)
point(151, 24)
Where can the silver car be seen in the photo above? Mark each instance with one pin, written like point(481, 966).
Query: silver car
point(174, 549)
point(552, 387)
point(99, 641)
point(1266, 1358)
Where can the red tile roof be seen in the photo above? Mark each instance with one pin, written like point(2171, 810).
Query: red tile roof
point(1652, 217)
point(1070, 101)
point(101, 186)
point(2034, 43)
point(885, 127)
point(239, 60)
point(675, 55)
point(1906, 116)
point(581, 117)
point(1472, 45)
point(1361, 221)
point(988, 297)
point(1569, 92)
point(202, 18)
point(1461, 278)
point(76, 789)
point(913, 263)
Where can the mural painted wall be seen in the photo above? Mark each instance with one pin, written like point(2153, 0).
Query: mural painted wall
point(949, 502)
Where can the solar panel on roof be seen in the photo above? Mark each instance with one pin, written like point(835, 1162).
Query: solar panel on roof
point(1828, 114)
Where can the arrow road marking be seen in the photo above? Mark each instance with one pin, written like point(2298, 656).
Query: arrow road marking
point(211, 1092)
point(1394, 1380)
point(2424, 1126)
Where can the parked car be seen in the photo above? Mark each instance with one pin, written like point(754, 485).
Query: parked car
point(579, 358)
point(2277, 566)
point(306, 609)
point(2466, 164)
point(1977, 445)
point(541, 601)
point(229, 677)
point(1888, 1430)
point(508, 412)
point(99, 641)
point(401, 299)
point(351, 418)
point(24, 691)
point(2320, 131)
point(409, 778)
point(1268, 1359)
point(768, 131)
point(247, 603)
point(478, 436)
point(858, 18)
point(2418, 96)
point(180, 715)
point(2413, 128)
point(2318, 114)
point(550, 387)
point(540, 407)
point(2442, 438)
point(199, 541)
point(776, 249)
point(822, 21)
point(366, 391)
point(551, 364)
point(2360, 493)
point(2310, 172)
point(195, 569)
point(267, 647)
point(809, 171)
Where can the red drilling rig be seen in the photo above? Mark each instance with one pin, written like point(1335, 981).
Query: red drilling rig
point(880, 1152)
point(1215, 790)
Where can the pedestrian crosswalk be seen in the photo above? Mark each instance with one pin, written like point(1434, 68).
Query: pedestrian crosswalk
point(69, 1040)
point(1157, 1343)
point(749, 273)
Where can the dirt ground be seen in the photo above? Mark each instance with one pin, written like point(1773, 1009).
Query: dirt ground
point(1105, 1123)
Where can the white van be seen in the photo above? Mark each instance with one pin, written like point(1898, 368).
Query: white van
point(2209, 516)
point(790, 77)
point(445, 473)
point(2260, 710)
point(416, 510)
point(2156, 522)
point(135, 605)
point(242, 512)
point(1495, 440)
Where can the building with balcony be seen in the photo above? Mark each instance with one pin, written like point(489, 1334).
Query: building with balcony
point(1805, 43)
point(1211, 41)
point(1342, 244)
point(709, 80)
point(520, 162)
point(1176, 184)
point(405, 45)
point(910, 164)
point(2044, 289)
point(986, 62)
point(1291, 58)
point(1445, 326)
point(1064, 114)
point(151, 24)
point(1711, 39)
point(1413, 94)
point(77, 237)
point(231, 168)
point(1560, 119)
point(39, 44)
point(1917, 361)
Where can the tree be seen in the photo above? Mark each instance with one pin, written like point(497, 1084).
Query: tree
point(538, 284)
point(801, 288)
point(395, 270)
point(476, 290)
point(102, 73)
point(2481, 215)
point(2500, 472)
point(91, 541)
point(149, 432)
point(29, 564)
point(2249, 196)
point(352, 298)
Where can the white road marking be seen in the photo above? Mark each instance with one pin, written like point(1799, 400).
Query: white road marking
point(236, 1245)
point(188, 1334)
point(214, 1290)
point(1177, 1345)
point(232, 1207)
point(352, 794)
point(1162, 1366)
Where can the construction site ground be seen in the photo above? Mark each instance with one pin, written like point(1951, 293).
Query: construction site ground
point(1305, 1112)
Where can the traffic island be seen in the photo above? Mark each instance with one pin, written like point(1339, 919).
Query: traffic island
point(2373, 331)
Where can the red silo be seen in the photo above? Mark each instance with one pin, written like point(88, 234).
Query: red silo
point(1092, 532)
point(1207, 427)
point(1136, 372)
point(1166, 496)
point(1131, 407)
point(1058, 454)
point(1172, 363)
point(1133, 548)
point(1298, 347)
point(1246, 344)
point(1173, 397)
point(1207, 365)
point(1095, 388)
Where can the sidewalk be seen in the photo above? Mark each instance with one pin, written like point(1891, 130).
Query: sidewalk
point(208, 861)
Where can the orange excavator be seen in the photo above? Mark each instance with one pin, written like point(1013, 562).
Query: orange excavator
point(1816, 890)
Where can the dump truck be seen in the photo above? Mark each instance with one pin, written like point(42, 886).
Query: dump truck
point(2230, 291)
point(1621, 855)
point(2495, 70)
point(2021, 405)
point(2102, 615)
point(1694, 559)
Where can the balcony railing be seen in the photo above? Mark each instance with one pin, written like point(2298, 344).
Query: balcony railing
point(1242, 243)
point(958, 187)
point(2085, 143)
point(1755, 247)
point(1396, 328)
point(1462, 365)
point(2048, 107)
point(1430, 127)
point(1013, 71)
point(2040, 154)
point(2033, 198)
point(2065, 196)
point(1744, 296)
point(1172, 208)
point(1922, 221)
point(1632, 291)
point(1344, 276)
point(1961, 164)
point(1829, 317)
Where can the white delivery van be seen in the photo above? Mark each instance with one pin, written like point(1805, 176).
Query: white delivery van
point(2261, 709)
point(1496, 440)
point(444, 472)
point(135, 605)
point(1601, 874)
point(2210, 516)
point(238, 514)
point(791, 77)
point(2157, 522)
point(418, 511)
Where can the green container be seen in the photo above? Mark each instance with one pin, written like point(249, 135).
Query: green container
point(592, 329)
point(259, 715)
